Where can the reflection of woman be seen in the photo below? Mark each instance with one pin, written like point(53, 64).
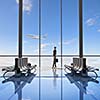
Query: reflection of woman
point(55, 76)
point(54, 57)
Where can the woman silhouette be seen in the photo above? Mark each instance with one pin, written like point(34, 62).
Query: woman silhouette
point(54, 57)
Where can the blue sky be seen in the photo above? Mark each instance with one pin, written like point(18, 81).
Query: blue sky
point(50, 26)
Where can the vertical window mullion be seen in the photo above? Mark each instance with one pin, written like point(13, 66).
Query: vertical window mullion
point(39, 49)
point(61, 47)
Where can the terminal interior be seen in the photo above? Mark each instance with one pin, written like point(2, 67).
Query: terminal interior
point(35, 27)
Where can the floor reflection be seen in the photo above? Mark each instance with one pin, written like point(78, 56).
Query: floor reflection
point(55, 76)
point(53, 84)
point(81, 83)
point(19, 83)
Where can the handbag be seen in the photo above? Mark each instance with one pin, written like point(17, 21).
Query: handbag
point(56, 60)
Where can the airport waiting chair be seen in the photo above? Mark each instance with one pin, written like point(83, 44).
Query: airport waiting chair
point(22, 68)
point(76, 67)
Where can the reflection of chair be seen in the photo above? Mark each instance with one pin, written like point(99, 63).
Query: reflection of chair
point(80, 82)
point(19, 83)
point(21, 66)
point(79, 66)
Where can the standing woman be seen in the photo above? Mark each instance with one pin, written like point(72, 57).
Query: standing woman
point(54, 57)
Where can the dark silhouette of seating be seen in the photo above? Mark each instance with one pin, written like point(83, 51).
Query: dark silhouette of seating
point(25, 68)
point(19, 83)
point(81, 83)
point(77, 67)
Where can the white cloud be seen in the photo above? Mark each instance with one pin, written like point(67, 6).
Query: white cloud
point(68, 42)
point(25, 41)
point(43, 48)
point(27, 5)
point(6, 61)
point(91, 22)
point(94, 62)
point(44, 45)
point(17, 1)
point(32, 36)
point(36, 36)
point(98, 30)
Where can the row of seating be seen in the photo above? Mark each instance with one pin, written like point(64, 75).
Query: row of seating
point(78, 66)
point(21, 67)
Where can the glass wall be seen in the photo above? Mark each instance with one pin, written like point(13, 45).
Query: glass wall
point(30, 28)
point(49, 84)
point(8, 27)
point(50, 26)
point(70, 27)
point(91, 27)
point(50, 33)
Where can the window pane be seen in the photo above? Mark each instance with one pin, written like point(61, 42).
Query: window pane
point(70, 27)
point(91, 27)
point(30, 28)
point(8, 27)
point(50, 26)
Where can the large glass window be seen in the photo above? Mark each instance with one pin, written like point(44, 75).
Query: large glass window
point(8, 27)
point(39, 43)
point(50, 35)
point(70, 27)
point(91, 27)
point(30, 28)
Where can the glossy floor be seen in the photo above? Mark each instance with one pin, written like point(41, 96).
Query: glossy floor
point(54, 87)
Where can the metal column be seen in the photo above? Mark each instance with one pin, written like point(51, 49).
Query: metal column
point(82, 60)
point(20, 28)
point(80, 29)
point(18, 60)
